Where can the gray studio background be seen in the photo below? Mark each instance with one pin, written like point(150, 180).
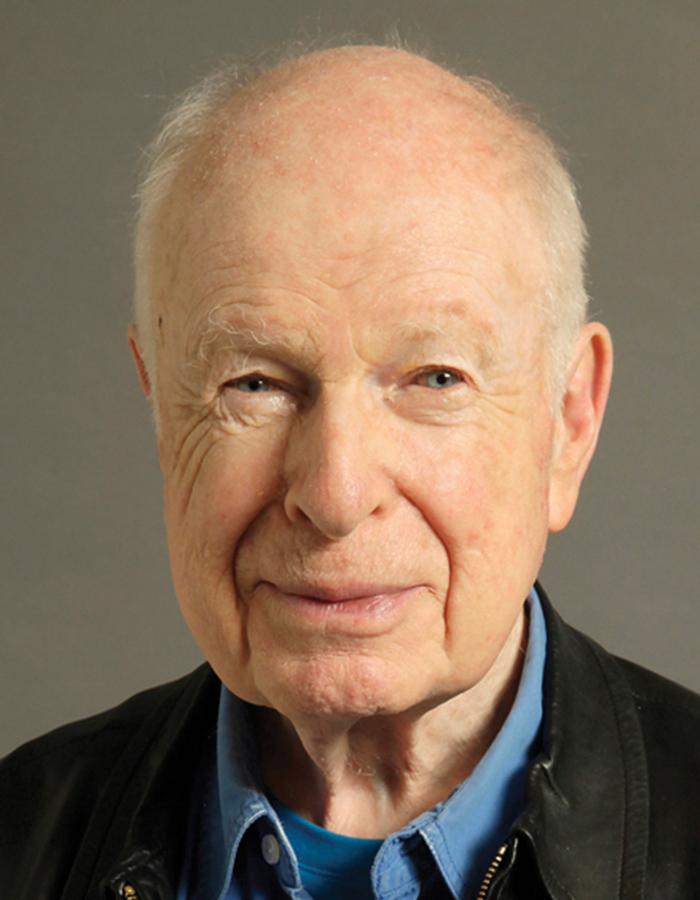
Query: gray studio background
point(88, 614)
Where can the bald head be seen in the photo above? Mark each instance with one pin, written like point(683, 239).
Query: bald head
point(362, 121)
point(386, 105)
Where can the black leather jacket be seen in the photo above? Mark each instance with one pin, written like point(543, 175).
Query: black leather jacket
point(97, 809)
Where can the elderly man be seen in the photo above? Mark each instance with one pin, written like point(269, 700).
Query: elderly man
point(360, 321)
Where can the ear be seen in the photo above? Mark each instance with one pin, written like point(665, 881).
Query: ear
point(141, 370)
point(579, 419)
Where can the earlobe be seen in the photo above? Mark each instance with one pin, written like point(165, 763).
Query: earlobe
point(579, 420)
point(141, 370)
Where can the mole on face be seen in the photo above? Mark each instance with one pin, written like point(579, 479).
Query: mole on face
point(160, 328)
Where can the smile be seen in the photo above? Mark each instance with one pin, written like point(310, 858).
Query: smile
point(354, 605)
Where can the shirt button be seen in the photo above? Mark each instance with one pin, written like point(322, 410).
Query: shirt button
point(270, 849)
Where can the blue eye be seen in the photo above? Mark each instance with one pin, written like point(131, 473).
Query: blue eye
point(251, 384)
point(440, 378)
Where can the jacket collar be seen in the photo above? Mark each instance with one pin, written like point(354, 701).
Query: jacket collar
point(586, 817)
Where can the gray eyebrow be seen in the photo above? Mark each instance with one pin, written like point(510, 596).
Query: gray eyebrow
point(244, 327)
point(482, 337)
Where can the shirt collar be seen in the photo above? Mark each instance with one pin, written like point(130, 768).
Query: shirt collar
point(461, 833)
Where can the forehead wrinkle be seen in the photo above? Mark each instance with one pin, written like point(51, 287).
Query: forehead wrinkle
point(423, 281)
point(269, 268)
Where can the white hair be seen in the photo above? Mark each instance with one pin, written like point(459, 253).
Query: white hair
point(547, 185)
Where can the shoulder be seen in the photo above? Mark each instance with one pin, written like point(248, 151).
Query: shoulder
point(663, 713)
point(661, 704)
point(669, 719)
point(123, 717)
point(96, 739)
point(51, 785)
point(656, 738)
point(669, 715)
point(669, 722)
point(657, 692)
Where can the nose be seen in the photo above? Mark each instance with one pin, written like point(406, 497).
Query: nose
point(335, 468)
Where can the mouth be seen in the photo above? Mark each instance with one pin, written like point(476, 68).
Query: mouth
point(346, 593)
point(354, 604)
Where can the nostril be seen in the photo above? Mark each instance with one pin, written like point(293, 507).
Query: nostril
point(335, 517)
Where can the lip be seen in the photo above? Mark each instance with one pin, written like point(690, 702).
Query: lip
point(359, 609)
point(345, 594)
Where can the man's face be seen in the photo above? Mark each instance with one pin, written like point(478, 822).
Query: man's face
point(356, 436)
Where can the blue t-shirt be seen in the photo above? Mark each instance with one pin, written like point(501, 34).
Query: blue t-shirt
point(244, 845)
point(332, 866)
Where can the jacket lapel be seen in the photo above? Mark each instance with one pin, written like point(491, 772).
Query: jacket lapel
point(587, 812)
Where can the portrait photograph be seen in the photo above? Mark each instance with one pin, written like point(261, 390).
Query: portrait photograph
point(350, 450)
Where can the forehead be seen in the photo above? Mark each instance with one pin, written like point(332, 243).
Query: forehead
point(303, 282)
point(336, 110)
point(392, 198)
point(315, 252)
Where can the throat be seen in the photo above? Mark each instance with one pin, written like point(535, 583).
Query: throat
point(371, 778)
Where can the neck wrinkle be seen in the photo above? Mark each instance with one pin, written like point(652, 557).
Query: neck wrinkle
point(371, 778)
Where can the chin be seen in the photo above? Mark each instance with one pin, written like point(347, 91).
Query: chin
point(339, 687)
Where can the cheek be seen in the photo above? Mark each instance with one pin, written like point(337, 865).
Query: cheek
point(206, 517)
point(458, 490)
point(482, 490)
point(487, 503)
point(234, 480)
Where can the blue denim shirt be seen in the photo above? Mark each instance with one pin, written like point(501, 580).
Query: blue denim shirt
point(233, 823)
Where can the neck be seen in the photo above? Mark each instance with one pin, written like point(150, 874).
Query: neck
point(373, 776)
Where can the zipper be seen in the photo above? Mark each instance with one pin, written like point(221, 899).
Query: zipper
point(128, 892)
point(491, 871)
